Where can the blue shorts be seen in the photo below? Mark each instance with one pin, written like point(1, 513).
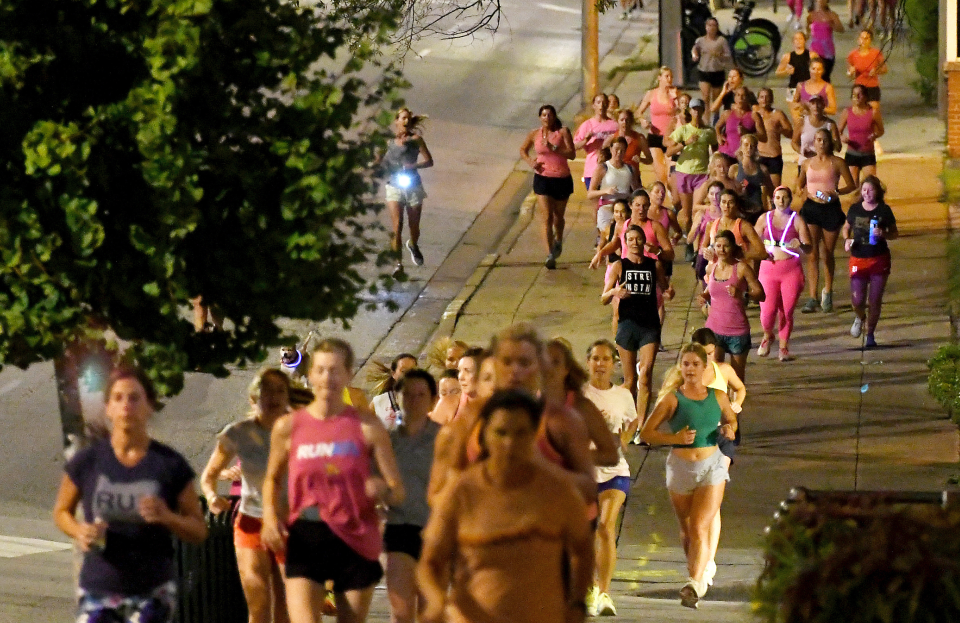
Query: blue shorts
point(734, 344)
point(620, 483)
point(631, 336)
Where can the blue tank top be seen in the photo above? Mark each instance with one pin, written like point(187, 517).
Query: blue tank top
point(702, 416)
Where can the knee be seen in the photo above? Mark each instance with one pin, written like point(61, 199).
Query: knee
point(644, 373)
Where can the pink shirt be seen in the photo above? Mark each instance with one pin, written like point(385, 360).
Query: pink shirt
point(602, 130)
point(727, 315)
point(554, 165)
point(329, 467)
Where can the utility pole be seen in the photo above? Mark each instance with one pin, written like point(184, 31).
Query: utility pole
point(589, 51)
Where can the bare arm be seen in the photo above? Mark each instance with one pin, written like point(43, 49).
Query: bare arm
point(379, 440)
point(663, 241)
point(786, 128)
point(221, 457)
point(610, 286)
point(878, 129)
point(797, 131)
point(595, 191)
point(842, 125)
point(728, 418)
point(831, 105)
point(806, 243)
point(566, 148)
point(274, 510)
point(64, 515)
point(734, 383)
point(720, 127)
point(525, 151)
point(579, 556)
point(605, 454)
point(754, 287)
point(849, 184)
point(754, 246)
point(185, 521)
point(661, 413)
point(424, 160)
point(436, 561)
point(761, 130)
point(802, 179)
point(785, 68)
point(645, 156)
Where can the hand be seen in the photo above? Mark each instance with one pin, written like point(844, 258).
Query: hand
point(376, 488)
point(702, 299)
point(609, 190)
point(727, 431)
point(217, 504)
point(872, 72)
point(538, 167)
point(90, 533)
point(669, 293)
point(793, 245)
point(620, 292)
point(231, 473)
point(685, 436)
point(154, 510)
point(651, 247)
point(852, 72)
point(848, 244)
point(595, 262)
point(877, 232)
point(790, 69)
point(273, 535)
point(709, 254)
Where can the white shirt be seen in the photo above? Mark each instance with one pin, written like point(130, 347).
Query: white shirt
point(618, 409)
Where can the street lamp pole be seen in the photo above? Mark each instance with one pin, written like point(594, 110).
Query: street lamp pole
point(589, 51)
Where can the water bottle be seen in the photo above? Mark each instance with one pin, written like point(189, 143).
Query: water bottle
point(874, 223)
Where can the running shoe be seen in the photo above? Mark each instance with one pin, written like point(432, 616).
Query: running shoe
point(551, 262)
point(592, 600)
point(826, 301)
point(398, 271)
point(871, 343)
point(415, 254)
point(689, 597)
point(557, 248)
point(785, 355)
point(689, 255)
point(605, 607)
point(764, 349)
point(810, 306)
point(710, 572)
point(857, 328)
point(329, 606)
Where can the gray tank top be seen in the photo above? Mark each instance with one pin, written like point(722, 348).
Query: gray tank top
point(399, 155)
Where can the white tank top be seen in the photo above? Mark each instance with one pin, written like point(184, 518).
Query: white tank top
point(620, 179)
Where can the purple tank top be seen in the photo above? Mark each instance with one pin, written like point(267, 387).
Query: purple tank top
point(727, 315)
point(732, 131)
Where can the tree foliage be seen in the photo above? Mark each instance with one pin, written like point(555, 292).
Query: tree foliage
point(153, 150)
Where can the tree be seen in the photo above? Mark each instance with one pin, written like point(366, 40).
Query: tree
point(154, 150)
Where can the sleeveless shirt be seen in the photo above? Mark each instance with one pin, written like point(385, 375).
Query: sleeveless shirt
point(702, 416)
point(641, 281)
point(801, 68)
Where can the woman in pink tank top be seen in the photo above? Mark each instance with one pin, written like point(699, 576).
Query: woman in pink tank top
point(864, 126)
point(726, 284)
point(332, 530)
point(662, 102)
point(740, 119)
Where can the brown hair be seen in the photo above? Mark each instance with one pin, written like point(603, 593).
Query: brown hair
point(133, 373)
point(576, 375)
point(338, 346)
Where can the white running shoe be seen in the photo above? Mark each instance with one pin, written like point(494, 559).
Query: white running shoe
point(710, 572)
point(592, 600)
point(857, 327)
point(605, 607)
point(764, 349)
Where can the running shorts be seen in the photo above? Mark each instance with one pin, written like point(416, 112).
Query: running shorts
point(559, 188)
point(827, 216)
point(774, 164)
point(404, 538)
point(684, 477)
point(314, 552)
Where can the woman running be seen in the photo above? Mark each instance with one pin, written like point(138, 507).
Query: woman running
point(724, 100)
point(719, 171)
point(740, 119)
point(805, 131)
point(820, 178)
point(508, 539)
point(385, 404)
point(864, 126)
point(816, 86)
point(662, 102)
point(822, 23)
point(870, 223)
point(327, 452)
point(261, 572)
point(785, 236)
point(634, 281)
point(592, 133)
point(412, 443)
point(702, 220)
point(637, 152)
point(406, 154)
point(552, 183)
point(136, 494)
point(613, 483)
point(777, 125)
point(796, 63)
point(692, 142)
point(713, 57)
point(865, 65)
point(727, 282)
point(730, 219)
point(756, 187)
point(448, 398)
point(612, 181)
point(696, 471)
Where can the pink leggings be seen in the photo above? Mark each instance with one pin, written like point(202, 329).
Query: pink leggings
point(783, 283)
point(796, 6)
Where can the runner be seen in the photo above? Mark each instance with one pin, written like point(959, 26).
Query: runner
point(699, 238)
point(740, 119)
point(727, 281)
point(406, 154)
point(817, 86)
point(785, 235)
point(730, 219)
point(696, 475)
point(448, 390)
point(822, 23)
point(820, 178)
point(756, 187)
point(796, 63)
point(638, 152)
point(612, 181)
point(136, 494)
point(552, 182)
point(692, 142)
point(864, 126)
point(634, 281)
point(713, 57)
point(384, 404)
point(870, 224)
point(507, 541)
point(662, 102)
point(261, 573)
point(719, 170)
point(613, 483)
point(412, 442)
point(777, 125)
point(865, 65)
point(724, 100)
point(805, 131)
point(590, 135)
point(332, 527)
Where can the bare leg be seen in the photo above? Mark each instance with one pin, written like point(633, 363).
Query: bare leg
point(278, 582)
point(813, 261)
point(199, 313)
point(686, 210)
point(829, 261)
point(353, 606)
point(739, 365)
point(610, 503)
point(402, 587)
point(396, 216)
point(304, 600)
point(660, 166)
point(705, 505)
point(628, 361)
point(414, 212)
point(647, 356)
point(559, 209)
point(546, 215)
point(255, 567)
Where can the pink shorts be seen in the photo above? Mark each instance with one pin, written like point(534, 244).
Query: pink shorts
point(687, 183)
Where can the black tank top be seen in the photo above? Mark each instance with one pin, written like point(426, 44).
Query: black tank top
point(640, 280)
point(752, 186)
point(801, 68)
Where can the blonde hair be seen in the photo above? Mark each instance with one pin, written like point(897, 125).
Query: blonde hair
point(520, 332)
point(753, 139)
point(576, 375)
point(673, 379)
point(416, 121)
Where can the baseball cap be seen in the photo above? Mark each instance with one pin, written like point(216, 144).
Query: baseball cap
point(697, 103)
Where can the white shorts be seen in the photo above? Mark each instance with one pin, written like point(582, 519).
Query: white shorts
point(684, 477)
point(604, 216)
point(412, 196)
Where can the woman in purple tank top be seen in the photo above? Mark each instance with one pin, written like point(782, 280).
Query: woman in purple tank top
point(726, 285)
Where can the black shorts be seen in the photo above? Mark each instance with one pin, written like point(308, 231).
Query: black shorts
point(774, 165)
point(828, 67)
point(668, 269)
point(854, 159)
point(631, 336)
point(872, 93)
point(559, 188)
point(713, 78)
point(404, 538)
point(654, 141)
point(827, 216)
point(314, 552)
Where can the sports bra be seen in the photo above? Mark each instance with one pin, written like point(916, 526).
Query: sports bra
point(770, 242)
point(825, 179)
point(718, 381)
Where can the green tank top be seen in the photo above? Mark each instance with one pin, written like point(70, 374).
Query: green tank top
point(702, 416)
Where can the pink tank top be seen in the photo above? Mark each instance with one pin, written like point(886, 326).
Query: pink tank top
point(859, 129)
point(661, 114)
point(825, 179)
point(650, 234)
point(663, 218)
point(554, 165)
point(727, 316)
point(732, 130)
point(806, 96)
point(329, 467)
point(821, 39)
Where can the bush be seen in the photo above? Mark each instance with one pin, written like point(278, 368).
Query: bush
point(861, 561)
point(923, 18)
point(944, 380)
